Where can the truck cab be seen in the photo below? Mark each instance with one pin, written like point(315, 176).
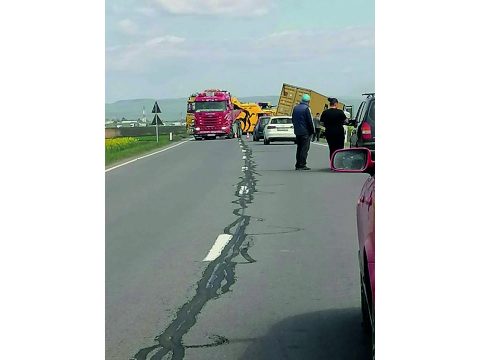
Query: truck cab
point(214, 114)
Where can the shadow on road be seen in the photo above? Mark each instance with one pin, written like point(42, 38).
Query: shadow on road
point(330, 335)
point(313, 170)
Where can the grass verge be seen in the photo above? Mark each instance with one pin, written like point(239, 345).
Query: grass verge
point(119, 149)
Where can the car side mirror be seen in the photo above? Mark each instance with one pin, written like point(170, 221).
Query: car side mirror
point(357, 160)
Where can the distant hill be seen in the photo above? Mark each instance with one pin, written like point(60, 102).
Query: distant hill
point(174, 109)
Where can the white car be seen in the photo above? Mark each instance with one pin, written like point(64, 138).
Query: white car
point(279, 128)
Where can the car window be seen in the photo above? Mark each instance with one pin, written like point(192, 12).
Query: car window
point(357, 117)
point(371, 113)
point(361, 113)
point(281, 121)
point(370, 118)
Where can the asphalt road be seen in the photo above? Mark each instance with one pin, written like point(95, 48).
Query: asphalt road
point(286, 286)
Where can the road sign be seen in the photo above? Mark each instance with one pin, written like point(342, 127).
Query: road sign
point(156, 109)
point(156, 119)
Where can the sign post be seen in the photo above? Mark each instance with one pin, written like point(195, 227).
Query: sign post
point(156, 110)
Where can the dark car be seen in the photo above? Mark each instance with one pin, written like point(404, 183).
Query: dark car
point(258, 130)
point(364, 133)
point(359, 160)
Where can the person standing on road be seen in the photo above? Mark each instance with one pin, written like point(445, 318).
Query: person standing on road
point(333, 120)
point(304, 129)
point(237, 128)
point(316, 121)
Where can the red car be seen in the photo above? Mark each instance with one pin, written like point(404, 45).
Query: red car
point(359, 160)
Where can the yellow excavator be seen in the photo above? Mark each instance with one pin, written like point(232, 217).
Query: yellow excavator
point(190, 117)
point(250, 112)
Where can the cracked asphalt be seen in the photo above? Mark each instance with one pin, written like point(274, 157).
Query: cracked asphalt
point(285, 287)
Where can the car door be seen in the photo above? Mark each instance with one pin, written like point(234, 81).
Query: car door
point(366, 230)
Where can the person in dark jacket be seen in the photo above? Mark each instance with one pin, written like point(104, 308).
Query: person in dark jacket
point(304, 129)
point(333, 120)
point(318, 124)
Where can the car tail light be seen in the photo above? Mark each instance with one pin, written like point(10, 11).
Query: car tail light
point(366, 131)
point(271, 127)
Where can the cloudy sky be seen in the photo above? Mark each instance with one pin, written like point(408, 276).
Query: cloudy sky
point(171, 48)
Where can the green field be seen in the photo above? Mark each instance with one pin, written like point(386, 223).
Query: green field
point(135, 146)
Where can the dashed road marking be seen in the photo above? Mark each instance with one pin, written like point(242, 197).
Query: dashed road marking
point(216, 250)
point(320, 144)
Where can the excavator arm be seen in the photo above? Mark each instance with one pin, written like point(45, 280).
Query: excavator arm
point(249, 114)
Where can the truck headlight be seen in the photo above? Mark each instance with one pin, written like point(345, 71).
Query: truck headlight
point(197, 129)
point(224, 128)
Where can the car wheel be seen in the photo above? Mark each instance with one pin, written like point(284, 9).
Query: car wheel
point(266, 142)
point(368, 321)
point(365, 315)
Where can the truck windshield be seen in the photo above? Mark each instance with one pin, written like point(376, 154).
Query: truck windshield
point(210, 106)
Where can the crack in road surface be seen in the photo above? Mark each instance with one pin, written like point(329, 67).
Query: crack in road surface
point(220, 271)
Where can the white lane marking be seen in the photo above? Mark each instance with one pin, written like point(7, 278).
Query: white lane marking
point(244, 150)
point(244, 157)
point(320, 144)
point(213, 277)
point(216, 250)
point(243, 190)
point(244, 168)
point(145, 156)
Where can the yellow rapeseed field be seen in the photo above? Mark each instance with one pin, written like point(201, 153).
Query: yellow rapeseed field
point(119, 143)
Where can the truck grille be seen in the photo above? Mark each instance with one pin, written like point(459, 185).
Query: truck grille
point(209, 121)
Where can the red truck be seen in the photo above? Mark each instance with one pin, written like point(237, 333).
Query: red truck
point(214, 114)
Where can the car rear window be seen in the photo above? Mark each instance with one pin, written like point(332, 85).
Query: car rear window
point(371, 113)
point(265, 120)
point(281, 121)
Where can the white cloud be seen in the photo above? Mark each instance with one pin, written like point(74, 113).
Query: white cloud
point(127, 26)
point(172, 39)
point(136, 57)
point(285, 47)
point(299, 45)
point(146, 11)
point(241, 8)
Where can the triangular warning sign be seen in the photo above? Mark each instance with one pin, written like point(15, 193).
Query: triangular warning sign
point(155, 119)
point(156, 109)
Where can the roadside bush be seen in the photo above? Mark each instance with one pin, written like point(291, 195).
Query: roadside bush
point(119, 143)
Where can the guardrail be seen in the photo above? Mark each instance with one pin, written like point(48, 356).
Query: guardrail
point(142, 131)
